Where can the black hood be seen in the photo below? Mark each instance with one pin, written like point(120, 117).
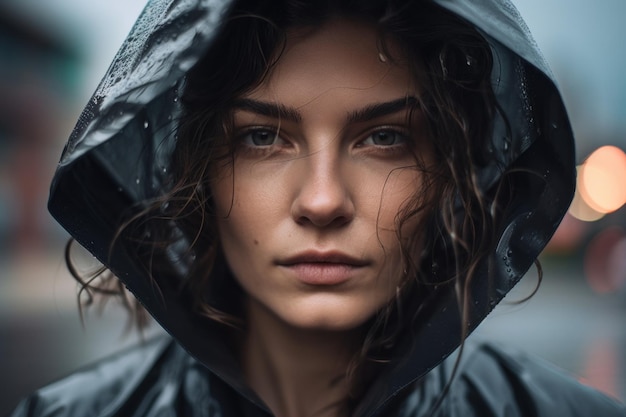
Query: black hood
point(118, 157)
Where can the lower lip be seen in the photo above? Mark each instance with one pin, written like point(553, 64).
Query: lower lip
point(322, 273)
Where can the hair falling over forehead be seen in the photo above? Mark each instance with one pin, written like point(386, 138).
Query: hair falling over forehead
point(451, 62)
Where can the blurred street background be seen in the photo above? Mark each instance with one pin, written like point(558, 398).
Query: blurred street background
point(52, 55)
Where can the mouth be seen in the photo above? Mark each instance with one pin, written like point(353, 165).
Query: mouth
point(323, 268)
point(313, 257)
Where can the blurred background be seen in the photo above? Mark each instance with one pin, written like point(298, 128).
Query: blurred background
point(52, 55)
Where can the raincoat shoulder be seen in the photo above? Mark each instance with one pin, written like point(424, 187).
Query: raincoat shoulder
point(156, 378)
point(103, 388)
point(494, 380)
point(160, 379)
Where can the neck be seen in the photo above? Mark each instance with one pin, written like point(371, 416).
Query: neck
point(297, 372)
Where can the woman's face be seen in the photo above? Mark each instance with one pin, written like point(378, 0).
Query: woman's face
point(324, 163)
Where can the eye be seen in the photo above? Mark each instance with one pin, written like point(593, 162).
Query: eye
point(387, 137)
point(260, 137)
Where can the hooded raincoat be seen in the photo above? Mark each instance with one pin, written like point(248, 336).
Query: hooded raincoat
point(119, 156)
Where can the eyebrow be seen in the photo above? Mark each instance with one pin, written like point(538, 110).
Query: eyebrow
point(268, 109)
point(376, 110)
point(369, 112)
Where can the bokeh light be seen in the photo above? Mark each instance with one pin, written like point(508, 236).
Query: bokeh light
point(579, 207)
point(601, 180)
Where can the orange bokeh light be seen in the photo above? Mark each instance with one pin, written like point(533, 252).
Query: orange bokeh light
point(579, 208)
point(602, 179)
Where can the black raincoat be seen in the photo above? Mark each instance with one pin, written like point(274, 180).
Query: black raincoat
point(118, 156)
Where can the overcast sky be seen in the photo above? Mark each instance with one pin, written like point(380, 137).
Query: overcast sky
point(582, 41)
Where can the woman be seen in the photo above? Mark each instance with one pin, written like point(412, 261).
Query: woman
point(319, 201)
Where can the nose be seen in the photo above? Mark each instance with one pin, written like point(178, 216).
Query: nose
point(323, 198)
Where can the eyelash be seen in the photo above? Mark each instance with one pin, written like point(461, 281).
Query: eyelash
point(271, 133)
point(244, 142)
point(402, 134)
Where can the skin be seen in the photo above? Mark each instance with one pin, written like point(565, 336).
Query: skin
point(307, 212)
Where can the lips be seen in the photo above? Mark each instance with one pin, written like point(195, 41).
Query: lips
point(332, 257)
point(323, 268)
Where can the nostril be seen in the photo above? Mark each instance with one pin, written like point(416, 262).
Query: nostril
point(321, 211)
point(323, 222)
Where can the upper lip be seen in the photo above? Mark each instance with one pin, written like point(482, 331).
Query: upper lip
point(334, 257)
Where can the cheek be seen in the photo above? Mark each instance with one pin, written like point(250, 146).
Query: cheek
point(245, 212)
point(404, 207)
point(222, 190)
point(232, 224)
point(401, 192)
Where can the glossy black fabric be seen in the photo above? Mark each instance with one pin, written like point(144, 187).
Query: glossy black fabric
point(161, 380)
point(119, 154)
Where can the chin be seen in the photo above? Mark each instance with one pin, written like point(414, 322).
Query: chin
point(327, 324)
point(332, 317)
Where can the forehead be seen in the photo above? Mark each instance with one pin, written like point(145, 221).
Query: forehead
point(341, 57)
